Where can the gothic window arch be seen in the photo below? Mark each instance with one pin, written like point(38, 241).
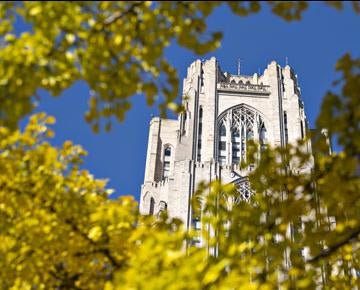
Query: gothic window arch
point(243, 194)
point(236, 127)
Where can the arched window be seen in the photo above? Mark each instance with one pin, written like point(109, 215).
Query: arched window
point(246, 124)
point(167, 162)
point(152, 206)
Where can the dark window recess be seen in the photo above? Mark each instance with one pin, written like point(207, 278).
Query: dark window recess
point(199, 135)
point(236, 134)
point(152, 206)
point(262, 135)
point(167, 151)
point(222, 130)
point(235, 150)
point(200, 128)
point(222, 145)
point(286, 128)
point(302, 130)
point(236, 160)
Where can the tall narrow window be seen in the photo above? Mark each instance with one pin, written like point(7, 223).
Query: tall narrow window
point(199, 135)
point(222, 144)
point(152, 206)
point(235, 140)
point(184, 117)
point(166, 169)
point(286, 128)
point(167, 160)
point(302, 129)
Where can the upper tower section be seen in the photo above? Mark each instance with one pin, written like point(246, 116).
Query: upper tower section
point(265, 107)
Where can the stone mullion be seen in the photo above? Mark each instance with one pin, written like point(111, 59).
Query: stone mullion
point(240, 135)
point(246, 136)
point(228, 137)
point(256, 133)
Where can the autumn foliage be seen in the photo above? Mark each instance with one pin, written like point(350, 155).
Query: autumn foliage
point(60, 230)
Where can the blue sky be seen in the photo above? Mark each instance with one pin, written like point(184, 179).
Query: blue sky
point(312, 47)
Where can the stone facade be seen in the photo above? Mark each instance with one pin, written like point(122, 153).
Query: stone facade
point(208, 141)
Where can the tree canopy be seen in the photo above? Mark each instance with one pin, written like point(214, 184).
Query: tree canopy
point(59, 229)
point(116, 47)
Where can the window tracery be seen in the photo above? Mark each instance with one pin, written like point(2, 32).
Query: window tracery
point(235, 127)
point(244, 192)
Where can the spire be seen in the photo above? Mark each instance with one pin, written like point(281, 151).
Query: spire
point(238, 65)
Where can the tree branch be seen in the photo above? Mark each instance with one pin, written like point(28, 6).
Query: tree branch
point(332, 249)
point(75, 228)
point(120, 14)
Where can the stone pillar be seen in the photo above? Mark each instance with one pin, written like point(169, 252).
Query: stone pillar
point(152, 150)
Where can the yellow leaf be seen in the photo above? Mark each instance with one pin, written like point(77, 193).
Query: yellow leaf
point(95, 233)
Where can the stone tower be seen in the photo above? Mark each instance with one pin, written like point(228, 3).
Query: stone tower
point(208, 141)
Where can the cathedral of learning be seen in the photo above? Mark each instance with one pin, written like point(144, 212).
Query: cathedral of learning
point(208, 141)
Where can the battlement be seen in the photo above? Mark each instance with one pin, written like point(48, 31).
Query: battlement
point(202, 165)
point(244, 87)
point(160, 183)
point(237, 167)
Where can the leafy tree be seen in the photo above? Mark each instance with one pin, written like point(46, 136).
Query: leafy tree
point(59, 230)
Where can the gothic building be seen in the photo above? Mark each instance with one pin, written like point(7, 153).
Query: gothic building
point(209, 140)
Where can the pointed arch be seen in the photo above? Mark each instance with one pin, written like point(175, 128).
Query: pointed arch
point(243, 123)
